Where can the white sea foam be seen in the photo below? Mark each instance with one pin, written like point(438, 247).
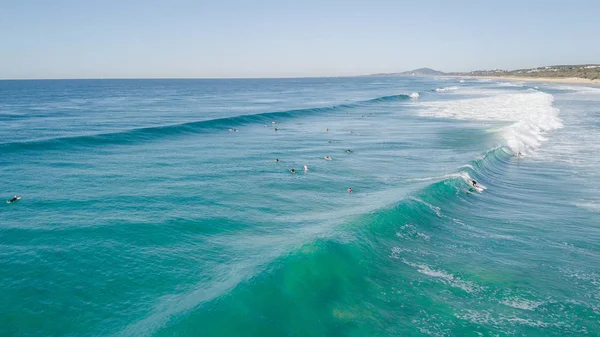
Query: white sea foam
point(521, 303)
point(510, 84)
point(593, 206)
point(531, 111)
point(414, 95)
point(396, 251)
point(446, 89)
point(437, 178)
point(435, 209)
point(445, 277)
point(410, 232)
point(488, 318)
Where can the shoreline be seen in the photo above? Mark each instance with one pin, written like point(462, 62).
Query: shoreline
point(565, 80)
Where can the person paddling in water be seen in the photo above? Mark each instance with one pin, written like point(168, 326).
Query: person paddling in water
point(293, 170)
point(277, 160)
point(349, 189)
point(15, 198)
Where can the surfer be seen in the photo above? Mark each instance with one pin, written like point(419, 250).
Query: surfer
point(15, 198)
point(473, 182)
point(305, 168)
point(349, 189)
point(348, 151)
point(327, 158)
point(293, 170)
point(276, 129)
point(277, 160)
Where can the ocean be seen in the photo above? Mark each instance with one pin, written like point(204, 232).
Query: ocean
point(167, 208)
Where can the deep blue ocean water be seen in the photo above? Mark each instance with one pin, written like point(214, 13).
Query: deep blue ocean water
point(156, 208)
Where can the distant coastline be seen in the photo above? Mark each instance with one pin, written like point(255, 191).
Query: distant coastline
point(572, 74)
point(565, 80)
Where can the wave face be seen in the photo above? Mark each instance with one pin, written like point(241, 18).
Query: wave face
point(157, 208)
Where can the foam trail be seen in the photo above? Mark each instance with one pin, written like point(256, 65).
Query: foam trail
point(414, 95)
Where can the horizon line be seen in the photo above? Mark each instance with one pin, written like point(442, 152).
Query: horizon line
point(445, 73)
point(169, 78)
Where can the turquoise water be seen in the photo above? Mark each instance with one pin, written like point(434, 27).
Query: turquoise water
point(156, 208)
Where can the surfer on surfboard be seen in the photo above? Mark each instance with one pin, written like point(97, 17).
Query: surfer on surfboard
point(15, 198)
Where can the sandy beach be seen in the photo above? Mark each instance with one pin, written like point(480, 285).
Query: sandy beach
point(567, 80)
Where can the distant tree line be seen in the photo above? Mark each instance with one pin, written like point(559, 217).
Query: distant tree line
point(589, 71)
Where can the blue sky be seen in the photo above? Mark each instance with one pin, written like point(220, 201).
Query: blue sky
point(228, 38)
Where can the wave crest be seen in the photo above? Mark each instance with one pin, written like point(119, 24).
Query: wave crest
point(531, 111)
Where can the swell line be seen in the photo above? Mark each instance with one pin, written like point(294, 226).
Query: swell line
point(135, 135)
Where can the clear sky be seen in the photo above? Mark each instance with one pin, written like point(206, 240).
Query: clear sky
point(279, 38)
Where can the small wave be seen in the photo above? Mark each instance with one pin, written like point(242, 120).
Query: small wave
point(509, 84)
point(266, 100)
point(446, 89)
point(414, 95)
point(589, 205)
point(398, 97)
point(436, 178)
